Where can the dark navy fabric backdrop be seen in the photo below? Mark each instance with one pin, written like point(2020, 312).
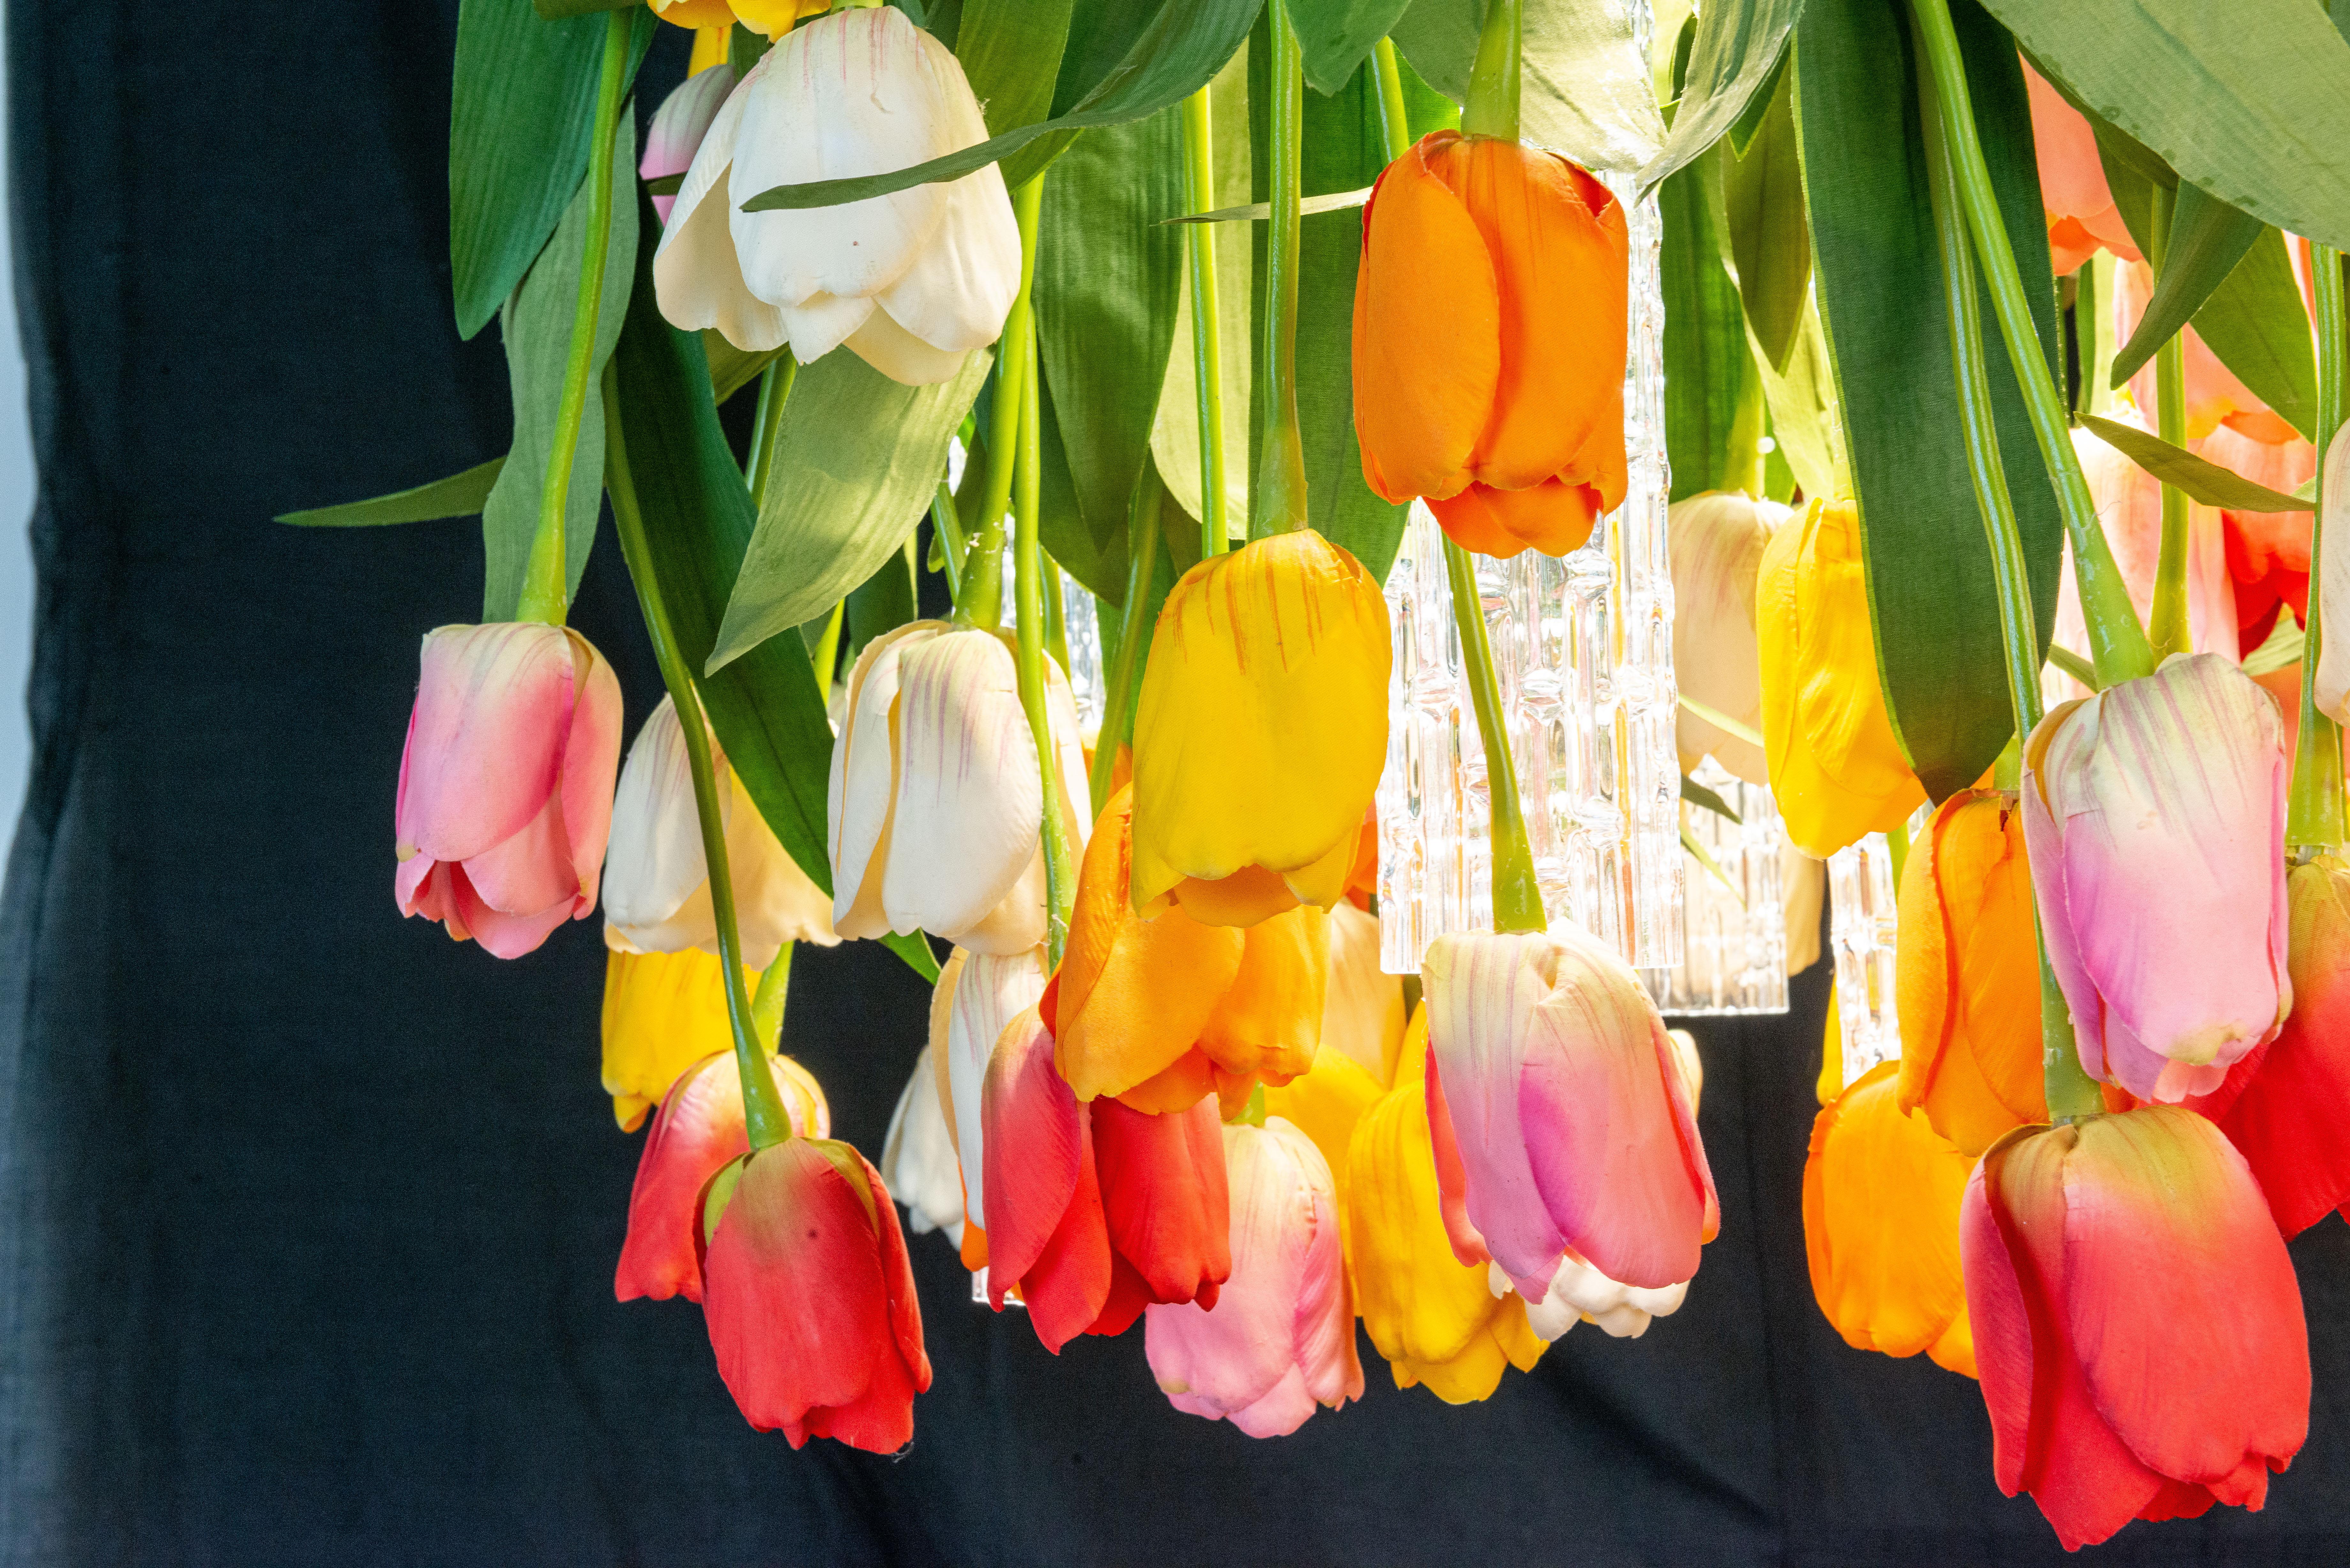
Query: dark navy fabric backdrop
point(307, 1215)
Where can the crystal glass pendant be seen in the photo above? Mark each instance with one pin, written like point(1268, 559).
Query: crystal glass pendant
point(1734, 949)
point(1862, 924)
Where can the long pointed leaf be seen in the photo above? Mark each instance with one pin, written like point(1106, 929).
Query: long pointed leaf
point(1586, 89)
point(459, 495)
point(1762, 197)
point(2207, 239)
point(2199, 477)
point(1336, 36)
point(1713, 398)
point(1740, 45)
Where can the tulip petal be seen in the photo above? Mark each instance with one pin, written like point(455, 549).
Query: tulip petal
point(697, 1132)
point(1220, 1363)
point(986, 995)
point(697, 276)
point(1420, 1302)
point(823, 322)
point(2291, 1118)
point(961, 287)
point(1362, 1011)
point(1270, 1022)
point(1717, 542)
point(1035, 1141)
point(1164, 1196)
point(656, 860)
point(862, 789)
point(501, 934)
point(970, 796)
point(486, 742)
point(885, 343)
point(918, 1158)
point(1552, 516)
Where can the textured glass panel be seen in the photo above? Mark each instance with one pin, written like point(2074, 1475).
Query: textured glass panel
point(1735, 956)
point(1081, 622)
point(1861, 929)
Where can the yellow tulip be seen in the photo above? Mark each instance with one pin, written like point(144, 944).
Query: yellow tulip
point(1261, 733)
point(769, 18)
point(1434, 1317)
point(1363, 1014)
point(1325, 1103)
point(1835, 768)
point(662, 1013)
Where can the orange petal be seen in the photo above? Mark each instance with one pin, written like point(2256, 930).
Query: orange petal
point(1553, 517)
point(1270, 1021)
point(1427, 332)
point(1191, 1078)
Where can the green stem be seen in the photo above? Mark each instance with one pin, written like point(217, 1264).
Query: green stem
point(1493, 106)
point(947, 526)
point(2118, 641)
point(1278, 502)
point(1142, 602)
point(1395, 128)
point(1207, 344)
point(982, 604)
point(2313, 817)
point(546, 576)
point(767, 1001)
point(1056, 613)
point(828, 650)
point(1028, 564)
point(2166, 626)
point(1517, 900)
point(2070, 1091)
point(774, 391)
point(763, 1106)
point(1896, 848)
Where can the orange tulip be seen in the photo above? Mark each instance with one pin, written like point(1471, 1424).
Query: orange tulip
point(1490, 342)
point(1881, 1197)
point(1967, 974)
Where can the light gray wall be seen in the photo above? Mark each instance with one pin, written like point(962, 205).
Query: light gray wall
point(16, 543)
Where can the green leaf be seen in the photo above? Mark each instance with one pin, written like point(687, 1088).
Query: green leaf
point(1336, 36)
point(2246, 101)
point(2207, 239)
point(536, 324)
point(2255, 322)
point(1585, 90)
point(1698, 794)
point(1741, 47)
point(521, 114)
point(1932, 594)
point(459, 495)
point(1011, 50)
point(2200, 478)
point(555, 10)
point(1770, 240)
point(1750, 118)
point(764, 706)
point(883, 602)
point(1184, 43)
point(732, 369)
point(1713, 399)
point(859, 458)
point(915, 949)
point(1109, 275)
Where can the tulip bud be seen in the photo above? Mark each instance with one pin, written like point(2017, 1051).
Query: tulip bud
point(1717, 544)
point(2154, 813)
point(912, 281)
point(505, 786)
point(1881, 1192)
point(1490, 342)
point(656, 877)
point(1281, 1338)
point(936, 803)
point(809, 1297)
point(1967, 974)
point(978, 996)
point(2137, 1324)
point(918, 1156)
point(1261, 733)
point(1324, 1103)
point(662, 1013)
point(2082, 217)
point(677, 131)
point(1836, 771)
point(768, 18)
point(1362, 1011)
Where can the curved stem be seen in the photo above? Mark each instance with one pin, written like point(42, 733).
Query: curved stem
point(546, 576)
point(1135, 626)
point(774, 391)
point(1207, 345)
point(1517, 900)
point(1277, 502)
point(2166, 626)
point(947, 526)
point(2118, 641)
point(981, 602)
point(767, 1001)
point(1493, 106)
point(2313, 817)
point(1395, 127)
point(2070, 1091)
point(763, 1106)
point(1028, 566)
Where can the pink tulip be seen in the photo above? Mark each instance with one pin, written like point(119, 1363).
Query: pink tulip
point(2155, 815)
point(677, 131)
point(2082, 217)
point(1564, 1131)
point(2215, 395)
point(1281, 1337)
point(505, 788)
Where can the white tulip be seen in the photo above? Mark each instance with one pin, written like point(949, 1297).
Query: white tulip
point(978, 996)
point(657, 881)
point(936, 801)
point(1580, 1293)
point(1716, 545)
point(917, 1156)
point(1362, 1007)
point(912, 281)
point(2333, 692)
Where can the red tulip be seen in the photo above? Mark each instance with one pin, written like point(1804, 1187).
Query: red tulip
point(809, 1297)
point(2138, 1325)
point(505, 787)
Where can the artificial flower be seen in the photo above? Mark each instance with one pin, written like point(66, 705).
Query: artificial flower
point(1717, 540)
point(1881, 1192)
point(685, 118)
point(912, 281)
point(662, 1013)
point(1362, 1011)
point(1430, 1314)
point(657, 878)
point(2082, 217)
point(1967, 974)
point(505, 785)
point(918, 1156)
point(977, 997)
point(1836, 771)
point(2155, 814)
point(1489, 344)
point(2138, 1325)
point(1261, 733)
point(1563, 1124)
point(1281, 1338)
point(700, 1129)
point(936, 799)
point(809, 1298)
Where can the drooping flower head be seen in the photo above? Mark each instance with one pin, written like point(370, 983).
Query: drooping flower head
point(2082, 217)
point(685, 118)
point(1717, 544)
point(662, 1013)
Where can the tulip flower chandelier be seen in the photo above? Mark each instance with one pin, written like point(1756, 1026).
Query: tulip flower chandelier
point(1214, 745)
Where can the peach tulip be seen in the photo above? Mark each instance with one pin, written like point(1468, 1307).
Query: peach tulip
point(2082, 217)
point(1717, 542)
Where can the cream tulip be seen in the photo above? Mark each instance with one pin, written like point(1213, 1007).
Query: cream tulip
point(936, 799)
point(2333, 588)
point(657, 879)
point(917, 1156)
point(977, 998)
point(911, 281)
point(1716, 545)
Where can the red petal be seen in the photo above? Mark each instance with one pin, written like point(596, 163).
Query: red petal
point(1164, 1196)
point(1451, 1178)
point(898, 1280)
point(1032, 1146)
point(1128, 1296)
point(1069, 1284)
point(697, 1132)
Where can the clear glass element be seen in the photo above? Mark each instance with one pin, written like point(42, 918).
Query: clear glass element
point(1583, 647)
point(1734, 953)
point(1863, 922)
point(1081, 624)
